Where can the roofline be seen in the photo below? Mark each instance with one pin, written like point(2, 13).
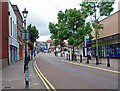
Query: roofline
point(107, 36)
point(18, 10)
point(110, 15)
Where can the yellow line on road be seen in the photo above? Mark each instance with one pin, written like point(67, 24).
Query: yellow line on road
point(92, 67)
point(40, 73)
point(42, 79)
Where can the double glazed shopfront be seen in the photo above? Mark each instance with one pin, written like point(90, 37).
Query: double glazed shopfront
point(107, 46)
point(111, 50)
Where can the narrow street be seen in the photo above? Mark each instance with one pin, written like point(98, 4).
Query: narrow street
point(57, 73)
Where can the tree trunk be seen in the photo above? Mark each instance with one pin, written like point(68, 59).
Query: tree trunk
point(97, 56)
point(73, 54)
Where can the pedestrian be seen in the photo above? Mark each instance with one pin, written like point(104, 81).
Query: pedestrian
point(89, 55)
point(63, 53)
point(55, 52)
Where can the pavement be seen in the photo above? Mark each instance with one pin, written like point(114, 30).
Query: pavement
point(13, 76)
point(114, 63)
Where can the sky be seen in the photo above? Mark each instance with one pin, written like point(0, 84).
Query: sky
point(41, 12)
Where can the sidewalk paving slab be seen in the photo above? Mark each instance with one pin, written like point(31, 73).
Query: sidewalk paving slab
point(114, 63)
point(13, 77)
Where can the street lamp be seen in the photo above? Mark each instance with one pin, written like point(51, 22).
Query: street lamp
point(25, 13)
point(25, 40)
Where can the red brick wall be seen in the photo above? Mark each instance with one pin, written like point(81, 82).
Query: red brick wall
point(0, 29)
point(5, 29)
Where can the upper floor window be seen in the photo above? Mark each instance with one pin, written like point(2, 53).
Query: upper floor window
point(11, 25)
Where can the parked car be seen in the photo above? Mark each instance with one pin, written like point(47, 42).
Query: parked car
point(45, 50)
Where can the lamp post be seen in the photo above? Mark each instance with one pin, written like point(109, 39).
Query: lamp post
point(25, 40)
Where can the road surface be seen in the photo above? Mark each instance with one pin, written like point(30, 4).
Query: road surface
point(57, 73)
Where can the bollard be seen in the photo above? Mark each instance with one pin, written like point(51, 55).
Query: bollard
point(69, 56)
point(87, 59)
point(108, 59)
point(97, 60)
point(81, 58)
point(55, 53)
point(75, 57)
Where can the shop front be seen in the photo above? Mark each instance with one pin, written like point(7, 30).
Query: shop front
point(107, 46)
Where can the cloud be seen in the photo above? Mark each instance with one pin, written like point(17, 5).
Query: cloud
point(40, 13)
point(44, 38)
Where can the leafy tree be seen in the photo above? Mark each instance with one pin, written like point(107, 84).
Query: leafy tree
point(96, 10)
point(77, 27)
point(33, 35)
point(53, 30)
point(59, 31)
point(62, 29)
point(71, 26)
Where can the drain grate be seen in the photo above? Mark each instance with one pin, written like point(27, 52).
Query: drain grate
point(7, 87)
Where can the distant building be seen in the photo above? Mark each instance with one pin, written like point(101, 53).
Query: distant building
point(50, 45)
point(40, 46)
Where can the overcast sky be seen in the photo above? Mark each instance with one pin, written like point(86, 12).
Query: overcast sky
point(41, 12)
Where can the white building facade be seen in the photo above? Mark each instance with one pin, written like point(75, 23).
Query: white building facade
point(13, 42)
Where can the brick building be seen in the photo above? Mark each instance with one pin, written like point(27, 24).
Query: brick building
point(19, 29)
point(13, 42)
point(9, 52)
point(4, 33)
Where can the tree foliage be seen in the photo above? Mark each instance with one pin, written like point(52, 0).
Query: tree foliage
point(77, 27)
point(71, 26)
point(96, 10)
point(33, 35)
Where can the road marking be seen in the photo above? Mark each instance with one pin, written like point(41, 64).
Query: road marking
point(34, 74)
point(91, 66)
point(43, 77)
point(36, 83)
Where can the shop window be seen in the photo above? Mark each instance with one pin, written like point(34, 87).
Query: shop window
point(101, 51)
point(108, 50)
point(116, 50)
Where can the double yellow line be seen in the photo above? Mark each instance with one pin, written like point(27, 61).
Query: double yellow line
point(91, 67)
point(47, 84)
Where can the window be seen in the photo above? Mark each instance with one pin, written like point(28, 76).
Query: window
point(13, 30)
point(11, 25)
